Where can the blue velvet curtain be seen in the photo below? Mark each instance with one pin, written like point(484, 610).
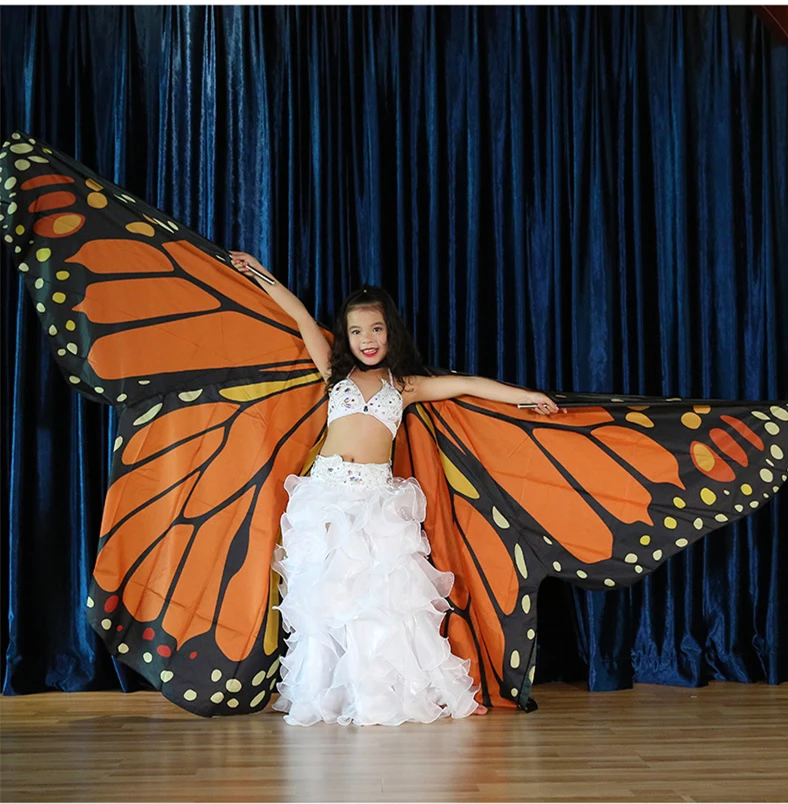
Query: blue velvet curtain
point(579, 199)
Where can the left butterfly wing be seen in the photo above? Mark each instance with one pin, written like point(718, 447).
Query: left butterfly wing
point(182, 590)
point(600, 496)
point(218, 401)
point(134, 303)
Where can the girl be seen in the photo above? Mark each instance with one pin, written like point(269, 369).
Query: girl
point(362, 604)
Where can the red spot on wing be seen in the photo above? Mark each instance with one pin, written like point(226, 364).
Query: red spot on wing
point(164, 650)
point(125, 300)
point(726, 444)
point(178, 425)
point(148, 634)
point(43, 181)
point(702, 454)
point(609, 483)
point(111, 603)
point(61, 224)
point(193, 654)
point(54, 200)
point(744, 431)
point(121, 257)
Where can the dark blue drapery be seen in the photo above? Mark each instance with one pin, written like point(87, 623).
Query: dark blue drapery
point(585, 199)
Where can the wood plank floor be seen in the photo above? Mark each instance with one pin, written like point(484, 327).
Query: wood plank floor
point(725, 742)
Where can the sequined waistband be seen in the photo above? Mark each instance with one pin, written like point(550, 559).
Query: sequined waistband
point(333, 469)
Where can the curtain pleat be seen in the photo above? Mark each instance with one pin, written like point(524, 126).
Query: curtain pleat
point(577, 199)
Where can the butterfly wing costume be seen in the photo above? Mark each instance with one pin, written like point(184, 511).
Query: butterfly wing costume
point(219, 402)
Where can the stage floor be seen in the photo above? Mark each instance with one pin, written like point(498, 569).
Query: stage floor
point(725, 742)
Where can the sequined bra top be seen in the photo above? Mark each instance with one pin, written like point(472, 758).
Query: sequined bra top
point(386, 405)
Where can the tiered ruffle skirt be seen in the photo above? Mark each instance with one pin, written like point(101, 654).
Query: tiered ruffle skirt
point(362, 605)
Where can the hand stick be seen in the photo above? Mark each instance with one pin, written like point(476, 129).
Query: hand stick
point(262, 276)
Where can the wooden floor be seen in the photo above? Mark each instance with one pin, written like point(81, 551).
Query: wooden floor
point(726, 742)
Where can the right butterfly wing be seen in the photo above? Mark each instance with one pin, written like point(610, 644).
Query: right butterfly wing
point(600, 496)
point(134, 303)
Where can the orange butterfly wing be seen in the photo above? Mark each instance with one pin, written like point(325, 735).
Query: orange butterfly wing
point(600, 496)
point(218, 401)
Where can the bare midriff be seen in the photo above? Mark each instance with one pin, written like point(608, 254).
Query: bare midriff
point(358, 438)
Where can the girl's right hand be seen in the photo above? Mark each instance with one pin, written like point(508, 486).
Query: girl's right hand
point(243, 261)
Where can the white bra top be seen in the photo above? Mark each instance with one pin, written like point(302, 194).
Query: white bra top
point(386, 405)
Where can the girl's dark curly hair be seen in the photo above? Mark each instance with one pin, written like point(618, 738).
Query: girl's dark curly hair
point(402, 356)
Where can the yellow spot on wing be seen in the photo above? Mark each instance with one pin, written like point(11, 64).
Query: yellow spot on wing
point(703, 456)
point(708, 496)
point(639, 418)
point(500, 520)
point(457, 479)
point(146, 417)
point(64, 224)
point(273, 668)
point(140, 228)
point(519, 560)
point(271, 638)
point(97, 200)
point(260, 390)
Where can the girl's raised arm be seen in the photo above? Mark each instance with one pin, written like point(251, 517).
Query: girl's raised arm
point(433, 389)
point(316, 344)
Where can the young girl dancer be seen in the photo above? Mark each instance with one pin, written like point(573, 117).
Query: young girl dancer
point(362, 604)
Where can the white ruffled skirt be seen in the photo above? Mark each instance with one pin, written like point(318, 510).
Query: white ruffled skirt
point(362, 604)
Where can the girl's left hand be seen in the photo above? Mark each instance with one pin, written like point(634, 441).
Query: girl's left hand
point(543, 404)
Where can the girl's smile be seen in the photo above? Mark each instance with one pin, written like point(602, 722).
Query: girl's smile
point(367, 335)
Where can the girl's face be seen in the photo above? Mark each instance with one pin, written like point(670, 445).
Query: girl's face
point(366, 331)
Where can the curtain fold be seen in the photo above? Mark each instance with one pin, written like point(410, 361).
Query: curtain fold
point(578, 199)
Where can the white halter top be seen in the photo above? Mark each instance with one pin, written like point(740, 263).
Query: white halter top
point(386, 405)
